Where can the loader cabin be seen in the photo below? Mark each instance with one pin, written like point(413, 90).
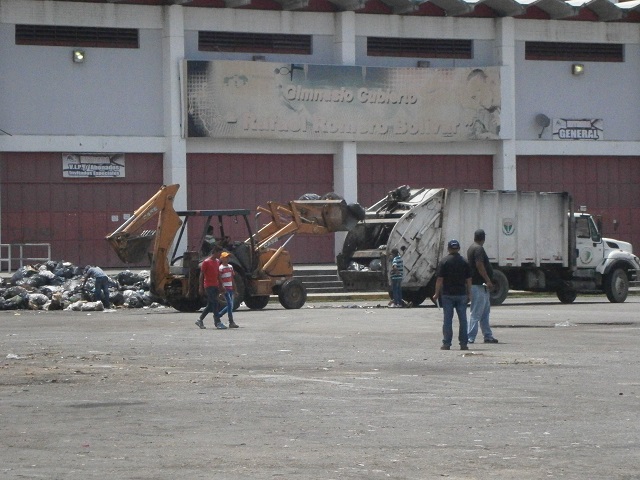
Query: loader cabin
point(214, 226)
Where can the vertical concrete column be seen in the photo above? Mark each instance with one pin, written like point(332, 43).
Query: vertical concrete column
point(175, 154)
point(345, 160)
point(345, 171)
point(504, 161)
point(345, 180)
point(344, 39)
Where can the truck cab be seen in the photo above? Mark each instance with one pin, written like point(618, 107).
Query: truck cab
point(589, 244)
point(613, 263)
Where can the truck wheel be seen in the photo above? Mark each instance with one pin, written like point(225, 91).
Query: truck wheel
point(566, 295)
point(292, 294)
point(617, 286)
point(500, 288)
point(416, 297)
point(256, 303)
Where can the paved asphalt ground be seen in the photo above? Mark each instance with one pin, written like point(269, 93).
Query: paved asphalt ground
point(335, 390)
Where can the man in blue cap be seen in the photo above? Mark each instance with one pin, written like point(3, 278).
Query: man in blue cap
point(453, 290)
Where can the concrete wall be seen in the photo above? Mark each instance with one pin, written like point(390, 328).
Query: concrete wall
point(114, 92)
point(607, 90)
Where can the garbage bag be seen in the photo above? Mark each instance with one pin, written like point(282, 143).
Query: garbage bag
point(128, 278)
point(375, 265)
point(22, 273)
point(16, 290)
point(37, 299)
point(310, 196)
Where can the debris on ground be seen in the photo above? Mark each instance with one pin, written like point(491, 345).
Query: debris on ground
point(57, 285)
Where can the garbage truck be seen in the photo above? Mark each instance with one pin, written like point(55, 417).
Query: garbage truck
point(534, 240)
point(262, 265)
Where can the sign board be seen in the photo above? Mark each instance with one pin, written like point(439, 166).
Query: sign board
point(93, 165)
point(584, 129)
point(263, 100)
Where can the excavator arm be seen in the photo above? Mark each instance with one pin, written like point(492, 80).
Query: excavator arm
point(131, 245)
point(305, 217)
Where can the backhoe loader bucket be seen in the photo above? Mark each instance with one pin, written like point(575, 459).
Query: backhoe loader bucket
point(334, 215)
point(132, 248)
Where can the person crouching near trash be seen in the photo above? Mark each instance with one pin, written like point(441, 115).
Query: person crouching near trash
point(229, 285)
point(101, 291)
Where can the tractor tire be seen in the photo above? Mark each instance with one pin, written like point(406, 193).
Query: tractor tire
point(292, 294)
point(617, 286)
point(500, 288)
point(256, 303)
point(188, 305)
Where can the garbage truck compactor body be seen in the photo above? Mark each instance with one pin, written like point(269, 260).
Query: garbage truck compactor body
point(261, 268)
point(534, 241)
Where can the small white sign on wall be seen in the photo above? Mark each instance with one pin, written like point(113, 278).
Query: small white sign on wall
point(580, 129)
point(93, 165)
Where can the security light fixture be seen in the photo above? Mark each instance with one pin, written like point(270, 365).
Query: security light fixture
point(78, 56)
point(542, 121)
point(577, 69)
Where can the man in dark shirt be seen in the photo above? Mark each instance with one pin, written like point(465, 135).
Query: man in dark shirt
point(101, 291)
point(453, 289)
point(481, 275)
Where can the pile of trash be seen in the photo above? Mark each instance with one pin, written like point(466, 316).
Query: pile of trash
point(58, 286)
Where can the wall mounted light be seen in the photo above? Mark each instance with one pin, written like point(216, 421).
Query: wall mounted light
point(577, 69)
point(78, 56)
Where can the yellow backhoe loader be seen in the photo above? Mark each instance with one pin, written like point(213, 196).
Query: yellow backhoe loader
point(262, 268)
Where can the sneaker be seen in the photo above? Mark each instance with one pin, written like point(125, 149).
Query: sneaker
point(233, 325)
point(464, 347)
point(445, 347)
point(491, 340)
point(200, 324)
point(221, 326)
point(472, 341)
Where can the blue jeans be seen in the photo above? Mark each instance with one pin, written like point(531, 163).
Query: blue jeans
point(101, 291)
point(480, 308)
point(212, 304)
point(228, 296)
point(396, 290)
point(449, 304)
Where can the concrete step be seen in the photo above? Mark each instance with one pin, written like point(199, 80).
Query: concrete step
point(319, 279)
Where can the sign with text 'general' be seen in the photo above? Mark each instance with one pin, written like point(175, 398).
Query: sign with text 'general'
point(581, 129)
point(93, 165)
point(236, 99)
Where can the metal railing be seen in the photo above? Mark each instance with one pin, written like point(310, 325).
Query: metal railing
point(17, 255)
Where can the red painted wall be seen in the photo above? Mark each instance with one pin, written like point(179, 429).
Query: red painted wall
point(247, 180)
point(607, 186)
point(379, 174)
point(72, 214)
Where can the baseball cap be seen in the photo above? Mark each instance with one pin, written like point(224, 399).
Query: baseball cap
point(453, 244)
point(225, 255)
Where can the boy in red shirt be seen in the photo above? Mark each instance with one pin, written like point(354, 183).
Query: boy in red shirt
point(210, 284)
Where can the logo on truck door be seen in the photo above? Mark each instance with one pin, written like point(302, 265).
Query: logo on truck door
point(508, 227)
point(586, 255)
